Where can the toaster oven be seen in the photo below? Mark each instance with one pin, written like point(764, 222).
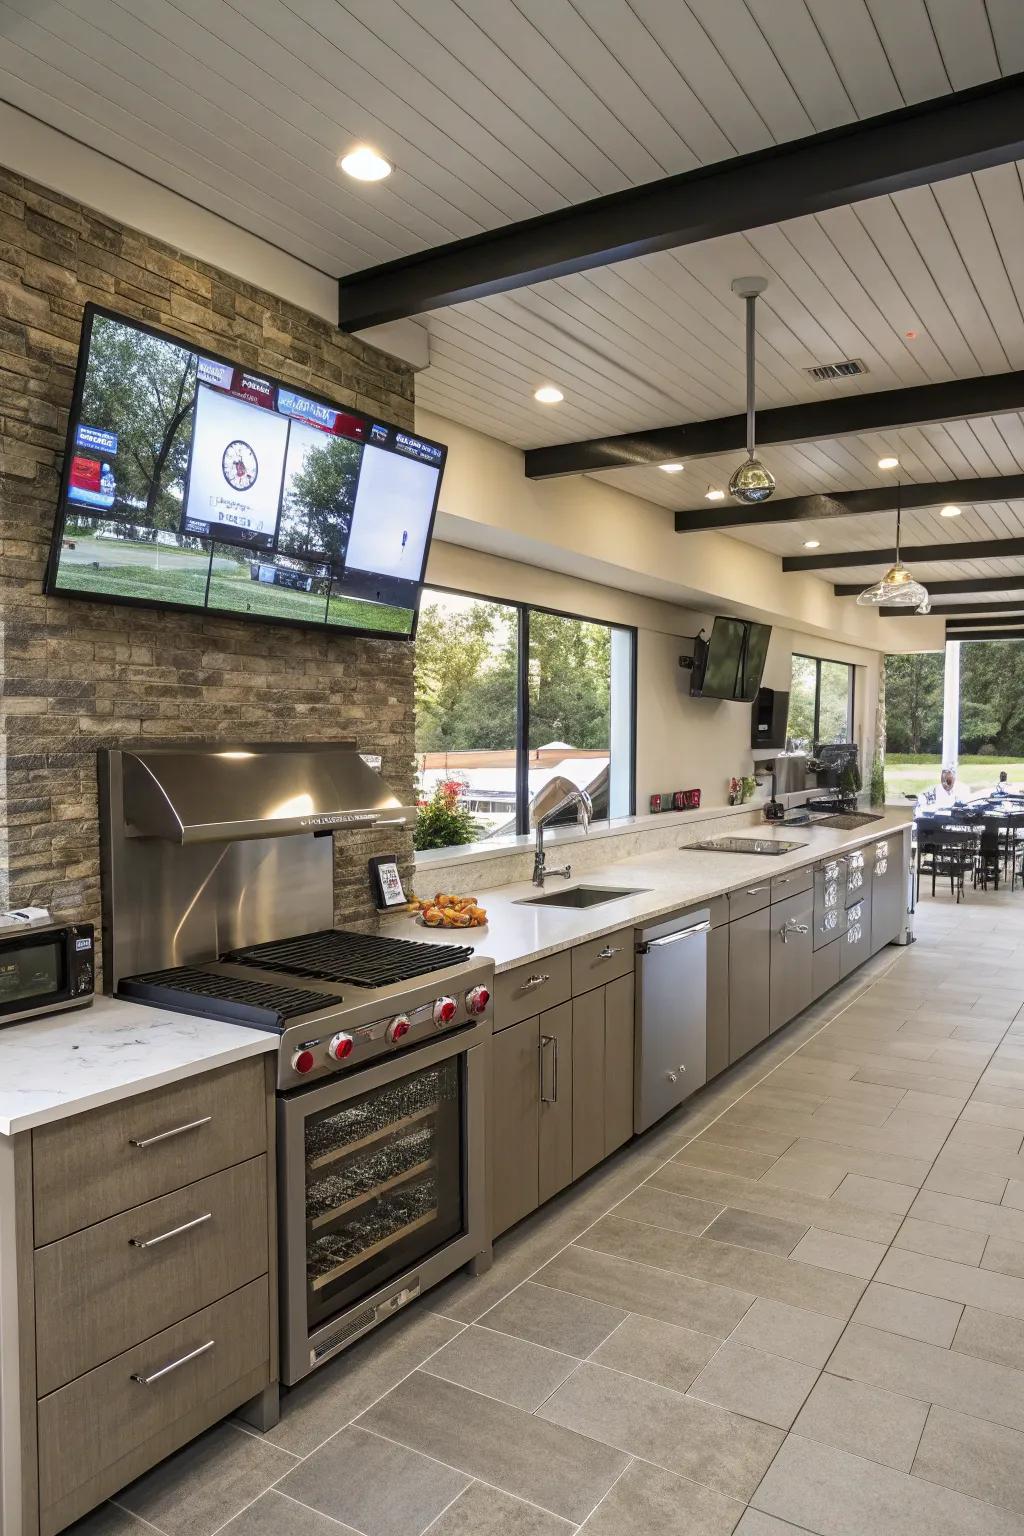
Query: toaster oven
point(45, 969)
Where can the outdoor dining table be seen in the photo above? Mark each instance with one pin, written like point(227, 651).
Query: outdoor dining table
point(1001, 818)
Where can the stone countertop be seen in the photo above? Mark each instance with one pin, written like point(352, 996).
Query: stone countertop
point(668, 881)
point(70, 1062)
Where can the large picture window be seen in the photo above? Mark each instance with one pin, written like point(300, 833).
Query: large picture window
point(820, 701)
point(508, 696)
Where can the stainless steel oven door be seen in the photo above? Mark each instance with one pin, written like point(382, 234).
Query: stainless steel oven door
point(382, 1192)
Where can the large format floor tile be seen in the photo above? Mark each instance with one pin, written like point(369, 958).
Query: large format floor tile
point(974, 1456)
point(500, 1366)
point(883, 1426)
point(647, 1501)
point(574, 1325)
point(202, 1486)
point(639, 1287)
point(374, 1485)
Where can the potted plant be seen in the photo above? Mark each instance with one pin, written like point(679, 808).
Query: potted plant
point(441, 822)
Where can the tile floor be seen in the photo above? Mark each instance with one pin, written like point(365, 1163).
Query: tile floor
point(796, 1306)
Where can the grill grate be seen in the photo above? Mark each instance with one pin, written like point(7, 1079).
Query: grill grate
point(227, 997)
point(361, 959)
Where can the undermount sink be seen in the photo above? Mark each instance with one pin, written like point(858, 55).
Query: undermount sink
point(578, 896)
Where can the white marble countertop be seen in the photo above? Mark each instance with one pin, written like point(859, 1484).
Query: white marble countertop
point(668, 881)
point(70, 1062)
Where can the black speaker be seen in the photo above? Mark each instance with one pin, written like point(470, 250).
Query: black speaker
point(769, 714)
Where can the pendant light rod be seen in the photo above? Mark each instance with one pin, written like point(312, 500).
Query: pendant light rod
point(749, 289)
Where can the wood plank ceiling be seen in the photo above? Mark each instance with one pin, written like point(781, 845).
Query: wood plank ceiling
point(495, 110)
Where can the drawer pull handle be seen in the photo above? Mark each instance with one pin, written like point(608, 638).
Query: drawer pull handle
point(179, 1130)
point(174, 1365)
point(537, 980)
point(756, 890)
point(154, 1242)
point(609, 950)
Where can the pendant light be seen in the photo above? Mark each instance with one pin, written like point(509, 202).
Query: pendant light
point(751, 482)
point(897, 587)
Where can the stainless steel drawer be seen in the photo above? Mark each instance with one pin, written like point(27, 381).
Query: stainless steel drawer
point(750, 898)
point(529, 989)
point(793, 884)
point(102, 1430)
point(111, 1159)
point(105, 1288)
point(601, 960)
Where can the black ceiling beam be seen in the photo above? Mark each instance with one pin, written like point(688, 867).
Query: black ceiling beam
point(948, 588)
point(940, 610)
point(879, 411)
point(989, 634)
point(968, 625)
point(949, 135)
point(980, 549)
point(806, 509)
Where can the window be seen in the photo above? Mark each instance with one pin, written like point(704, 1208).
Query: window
point(820, 701)
point(508, 696)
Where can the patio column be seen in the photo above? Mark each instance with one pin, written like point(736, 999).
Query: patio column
point(951, 706)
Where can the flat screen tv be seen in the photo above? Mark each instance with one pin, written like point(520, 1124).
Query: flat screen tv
point(729, 665)
point(191, 482)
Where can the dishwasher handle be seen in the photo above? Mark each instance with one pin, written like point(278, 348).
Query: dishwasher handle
point(645, 946)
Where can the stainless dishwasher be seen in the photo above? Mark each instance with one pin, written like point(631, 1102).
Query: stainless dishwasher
point(671, 1015)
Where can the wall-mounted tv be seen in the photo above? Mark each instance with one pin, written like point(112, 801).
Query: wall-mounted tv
point(195, 483)
point(729, 665)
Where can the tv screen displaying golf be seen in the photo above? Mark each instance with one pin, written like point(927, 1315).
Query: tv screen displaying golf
point(194, 482)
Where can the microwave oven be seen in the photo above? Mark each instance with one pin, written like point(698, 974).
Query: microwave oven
point(45, 970)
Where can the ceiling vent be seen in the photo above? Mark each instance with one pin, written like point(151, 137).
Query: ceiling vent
point(847, 369)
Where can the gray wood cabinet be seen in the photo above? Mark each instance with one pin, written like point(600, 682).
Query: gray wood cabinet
point(588, 1078)
point(749, 961)
point(718, 1000)
point(791, 985)
point(888, 891)
point(619, 1005)
point(556, 1078)
point(856, 942)
point(515, 1123)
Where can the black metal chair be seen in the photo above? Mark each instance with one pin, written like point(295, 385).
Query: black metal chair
point(950, 851)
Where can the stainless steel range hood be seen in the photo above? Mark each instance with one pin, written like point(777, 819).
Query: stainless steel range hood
point(219, 793)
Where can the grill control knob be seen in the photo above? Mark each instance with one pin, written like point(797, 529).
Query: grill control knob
point(303, 1061)
point(340, 1047)
point(398, 1027)
point(445, 1010)
point(477, 999)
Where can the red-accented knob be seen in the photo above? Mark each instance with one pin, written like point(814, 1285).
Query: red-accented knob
point(398, 1027)
point(445, 1010)
point(340, 1047)
point(303, 1061)
point(477, 999)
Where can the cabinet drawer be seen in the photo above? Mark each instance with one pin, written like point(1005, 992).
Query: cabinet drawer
point(718, 911)
point(93, 1432)
point(111, 1159)
point(602, 960)
point(749, 898)
point(100, 1291)
point(793, 884)
point(529, 989)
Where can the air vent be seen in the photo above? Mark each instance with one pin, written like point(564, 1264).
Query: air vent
point(847, 369)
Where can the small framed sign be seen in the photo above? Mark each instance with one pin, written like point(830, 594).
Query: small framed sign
point(386, 882)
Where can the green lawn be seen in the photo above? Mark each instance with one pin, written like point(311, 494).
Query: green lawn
point(906, 773)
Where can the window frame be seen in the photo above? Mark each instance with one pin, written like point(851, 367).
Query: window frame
point(522, 750)
point(851, 691)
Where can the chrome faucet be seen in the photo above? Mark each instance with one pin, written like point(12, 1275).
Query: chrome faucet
point(556, 796)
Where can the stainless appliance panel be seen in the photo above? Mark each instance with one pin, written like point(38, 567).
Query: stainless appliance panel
point(312, 1332)
point(671, 1022)
point(830, 882)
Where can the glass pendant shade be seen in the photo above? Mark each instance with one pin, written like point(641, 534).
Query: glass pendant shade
point(897, 589)
point(752, 482)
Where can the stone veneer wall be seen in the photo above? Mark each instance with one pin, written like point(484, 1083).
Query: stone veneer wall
point(76, 676)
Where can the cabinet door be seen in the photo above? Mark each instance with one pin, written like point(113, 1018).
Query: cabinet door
point(791, 986)
point(555, 1077)
point(749, 946)
point(587, 1081)
point(515, 1107)
point(856, 941)
point(718, 1001)
point(618, 1062)
point(888, 892)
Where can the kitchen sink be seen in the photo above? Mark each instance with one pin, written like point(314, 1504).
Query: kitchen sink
point(770, 847)
point(579, 896)
point(846, 821)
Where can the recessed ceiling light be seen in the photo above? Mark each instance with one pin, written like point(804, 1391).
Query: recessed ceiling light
point(812, 543)
point(672, 469)
point(365, 164)
point(548, 394)
point(711, 494)
point(889, 462)
point(950, 511)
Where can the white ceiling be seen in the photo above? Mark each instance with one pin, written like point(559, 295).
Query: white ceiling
point(495, 110)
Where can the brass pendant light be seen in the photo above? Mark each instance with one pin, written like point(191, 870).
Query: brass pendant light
point(752, 482)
